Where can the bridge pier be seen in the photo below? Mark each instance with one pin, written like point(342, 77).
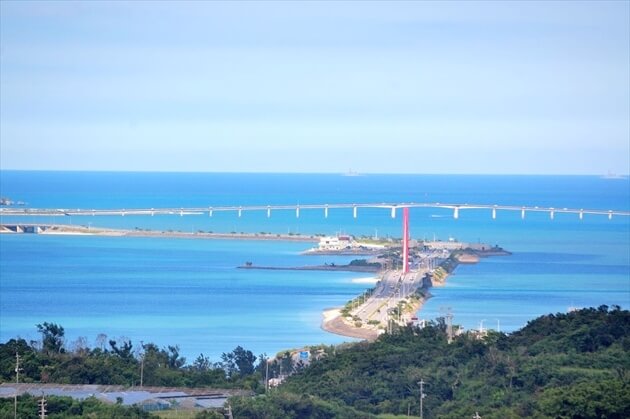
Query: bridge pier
point(354, 211)
point(551, 214)
point(393, 212)
point(240, 212)
point(297, 212)
point(268, 211)
point(456, 213)
point(522, 213)
point(326, 211)
point(210, 212)
point(610, 215)
point(581, 214)
point(494, 213)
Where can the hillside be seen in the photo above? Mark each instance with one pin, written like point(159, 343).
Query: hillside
point(574, 365)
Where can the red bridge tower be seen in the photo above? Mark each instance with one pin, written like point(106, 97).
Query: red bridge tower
point(405, 240)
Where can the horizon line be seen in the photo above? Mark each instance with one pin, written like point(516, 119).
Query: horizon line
point(351, 173)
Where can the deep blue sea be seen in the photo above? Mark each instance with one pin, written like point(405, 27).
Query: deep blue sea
point(189, 292)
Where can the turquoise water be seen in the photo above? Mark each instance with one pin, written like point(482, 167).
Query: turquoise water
point(168, 291)
point(188, 292)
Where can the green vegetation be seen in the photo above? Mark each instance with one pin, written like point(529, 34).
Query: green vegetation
point(355, 302)
point(439, 275)
point(287, 405)
point(363, 262)
point(573, 365)
point(371, 240)
point(49, 361)
point(68, 408)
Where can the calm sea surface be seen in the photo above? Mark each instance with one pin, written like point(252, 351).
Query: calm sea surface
point(188, 292)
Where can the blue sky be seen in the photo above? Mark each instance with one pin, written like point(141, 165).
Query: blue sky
point(391, 87)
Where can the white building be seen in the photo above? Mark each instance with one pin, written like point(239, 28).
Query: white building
point(336, 243)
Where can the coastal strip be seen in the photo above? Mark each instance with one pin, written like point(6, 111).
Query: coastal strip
point(398, 296)
point(64, 229)
point(334, 322)
point(330, 268)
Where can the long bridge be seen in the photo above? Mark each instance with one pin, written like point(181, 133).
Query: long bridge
point(392, 207)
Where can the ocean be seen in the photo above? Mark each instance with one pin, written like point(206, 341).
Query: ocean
point(189, 293)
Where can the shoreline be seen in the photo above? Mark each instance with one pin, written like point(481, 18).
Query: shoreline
point(68, 230)
point(366, 280)
point(329, 268)
point(333, 322)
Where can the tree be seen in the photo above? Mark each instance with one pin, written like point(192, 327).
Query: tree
point(174, 360)
point(286, 364)
point(244, 361)
point(201, 364)
point(52, 337)
point(240, 361)
point(209, 414)
point(101, 338)
point(125, 352)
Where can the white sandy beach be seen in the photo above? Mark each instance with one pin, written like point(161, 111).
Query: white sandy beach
point(331, 314)
point(370, 280)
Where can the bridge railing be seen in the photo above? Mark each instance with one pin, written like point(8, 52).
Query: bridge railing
point(392, 207)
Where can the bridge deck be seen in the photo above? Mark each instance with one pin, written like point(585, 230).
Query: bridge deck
point(297, 207)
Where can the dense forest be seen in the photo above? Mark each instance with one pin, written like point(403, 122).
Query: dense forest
point(573, 365)
point(119, 362)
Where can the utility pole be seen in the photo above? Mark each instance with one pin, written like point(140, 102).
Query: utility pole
point(142, 365)
point(142, 371)
point(267, 376)
point(42, 408)
point(17, 368)
point(422, 395)
point(17, 381)
point(449, 322)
